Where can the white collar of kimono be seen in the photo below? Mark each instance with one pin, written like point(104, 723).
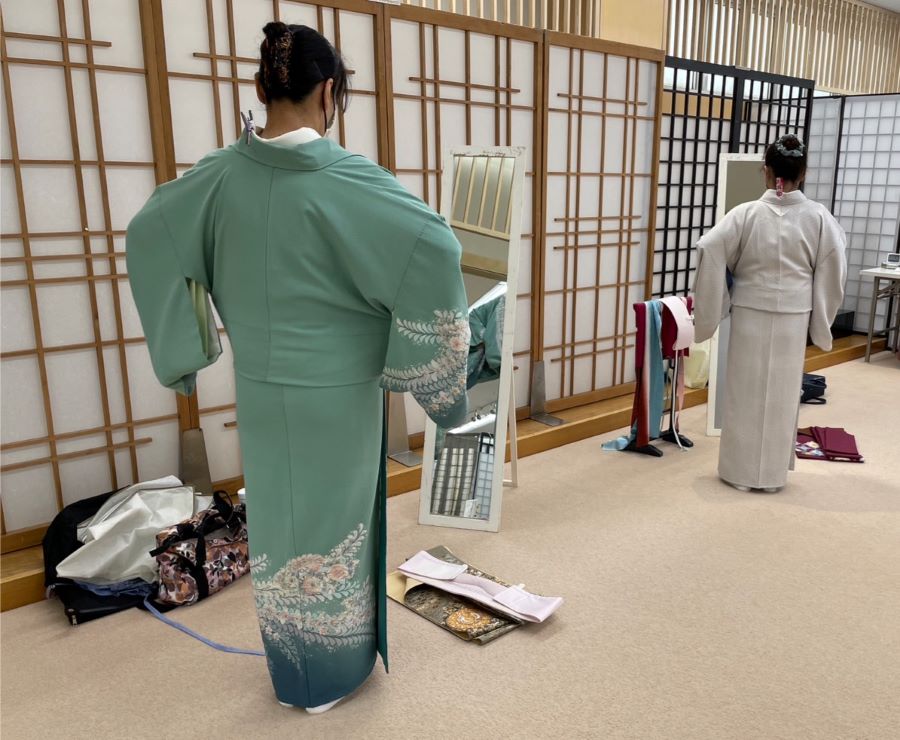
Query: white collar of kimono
point(291, 138)
point(788, 199)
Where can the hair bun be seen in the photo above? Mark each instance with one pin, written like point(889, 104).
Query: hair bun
point(274, 29)
point(790, 145)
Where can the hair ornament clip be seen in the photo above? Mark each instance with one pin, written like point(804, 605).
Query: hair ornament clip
point(248, 125)
point(784, 151)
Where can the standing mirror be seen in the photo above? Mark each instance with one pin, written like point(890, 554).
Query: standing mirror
point(741, 179)
point(462, 473)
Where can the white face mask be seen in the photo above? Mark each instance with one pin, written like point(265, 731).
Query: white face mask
point(328, 124)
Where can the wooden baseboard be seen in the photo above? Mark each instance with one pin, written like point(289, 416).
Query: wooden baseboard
point(21, 578)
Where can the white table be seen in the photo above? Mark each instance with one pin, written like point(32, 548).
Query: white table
point(891, 290)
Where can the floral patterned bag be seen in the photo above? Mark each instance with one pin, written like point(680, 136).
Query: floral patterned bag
point(203, 554)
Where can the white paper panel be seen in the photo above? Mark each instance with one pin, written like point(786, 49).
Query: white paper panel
point(5, 144)
point(193, 119)
point(23, 406)
point(159, 458)
point(117, 21)
point(63, 309)
point(29, 497)
point(222, 445)
point(42, 126)
point(415, 416)
point(129, 189)
point(51, 198)
point(149, 399)
point(85, 476)
point(114, 388)
point(125, 118)
point(360, 127)
point(297, 13)
point(185, 27)
point(31, 16)
point(74, 390)
point(17, 330)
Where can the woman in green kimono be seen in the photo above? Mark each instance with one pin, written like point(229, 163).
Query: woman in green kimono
point(332, 282)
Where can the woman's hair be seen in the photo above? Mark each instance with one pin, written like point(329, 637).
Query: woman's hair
point(294, 59)
point(787, 158)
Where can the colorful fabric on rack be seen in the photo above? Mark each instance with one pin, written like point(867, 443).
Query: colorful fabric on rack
point(649, 391)
point(676, 336)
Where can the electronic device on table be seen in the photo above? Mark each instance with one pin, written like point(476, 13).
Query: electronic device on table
point(892, 262)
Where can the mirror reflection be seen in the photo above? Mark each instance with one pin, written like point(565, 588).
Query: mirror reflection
point(465, 471)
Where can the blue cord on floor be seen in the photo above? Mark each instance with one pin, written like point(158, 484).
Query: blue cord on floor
point(172, 623)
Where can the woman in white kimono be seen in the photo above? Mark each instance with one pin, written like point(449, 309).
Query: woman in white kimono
point(786, 256)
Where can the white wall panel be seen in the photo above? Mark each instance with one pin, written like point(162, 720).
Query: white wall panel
point(73, 205)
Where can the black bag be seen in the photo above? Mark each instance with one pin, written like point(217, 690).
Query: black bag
point(60, 541)
point(813, 389)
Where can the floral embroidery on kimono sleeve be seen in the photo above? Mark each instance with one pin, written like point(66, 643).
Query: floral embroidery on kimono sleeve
point(315, 599)
point(437, 380)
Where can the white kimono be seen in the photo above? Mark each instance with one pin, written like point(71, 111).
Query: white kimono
point(786, 256)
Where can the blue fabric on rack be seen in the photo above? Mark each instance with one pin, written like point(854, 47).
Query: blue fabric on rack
point(653, 359)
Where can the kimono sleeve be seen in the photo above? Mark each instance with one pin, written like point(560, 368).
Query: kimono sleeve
point(828, 282)
point(174, 310)
point(428, 346)
point(715, 254)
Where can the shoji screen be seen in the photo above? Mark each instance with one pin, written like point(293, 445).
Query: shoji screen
point(867, 196)
point(82, 411)
point(709, 109)
point(601, 143)
point(456, 87)
point(212, 53)
point(695, 130)
point(823, 139)
point(771, 109)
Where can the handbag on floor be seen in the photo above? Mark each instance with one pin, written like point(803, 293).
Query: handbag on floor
point(60, 541)
point(813, 389)
point(203, 554)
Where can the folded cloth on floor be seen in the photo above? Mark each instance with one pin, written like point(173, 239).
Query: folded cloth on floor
point(827, 443)
point(133, 587)
point(118, 538)
point(512, 600)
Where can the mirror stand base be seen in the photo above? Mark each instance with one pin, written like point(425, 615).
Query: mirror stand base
point(643, 450)
point(543, 417)
point(407, 459)
point(538, 410)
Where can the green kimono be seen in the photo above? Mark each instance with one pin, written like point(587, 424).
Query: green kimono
point(333, 282)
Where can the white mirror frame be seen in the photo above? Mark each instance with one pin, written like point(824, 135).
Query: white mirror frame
point(492, 524)
point(711, 429)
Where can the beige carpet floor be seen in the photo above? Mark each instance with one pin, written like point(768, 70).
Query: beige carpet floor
point(692, 611)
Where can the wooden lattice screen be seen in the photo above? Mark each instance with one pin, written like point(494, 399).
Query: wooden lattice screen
point(81, 410)
point(133, 92)
point(601, 150)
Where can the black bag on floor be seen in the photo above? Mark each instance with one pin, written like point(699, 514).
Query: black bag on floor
point(813, 389)
point(60, 541)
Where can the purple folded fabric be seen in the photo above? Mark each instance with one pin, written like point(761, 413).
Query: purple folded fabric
point(837, 444)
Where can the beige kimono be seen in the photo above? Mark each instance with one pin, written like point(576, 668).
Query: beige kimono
point(786, 256)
